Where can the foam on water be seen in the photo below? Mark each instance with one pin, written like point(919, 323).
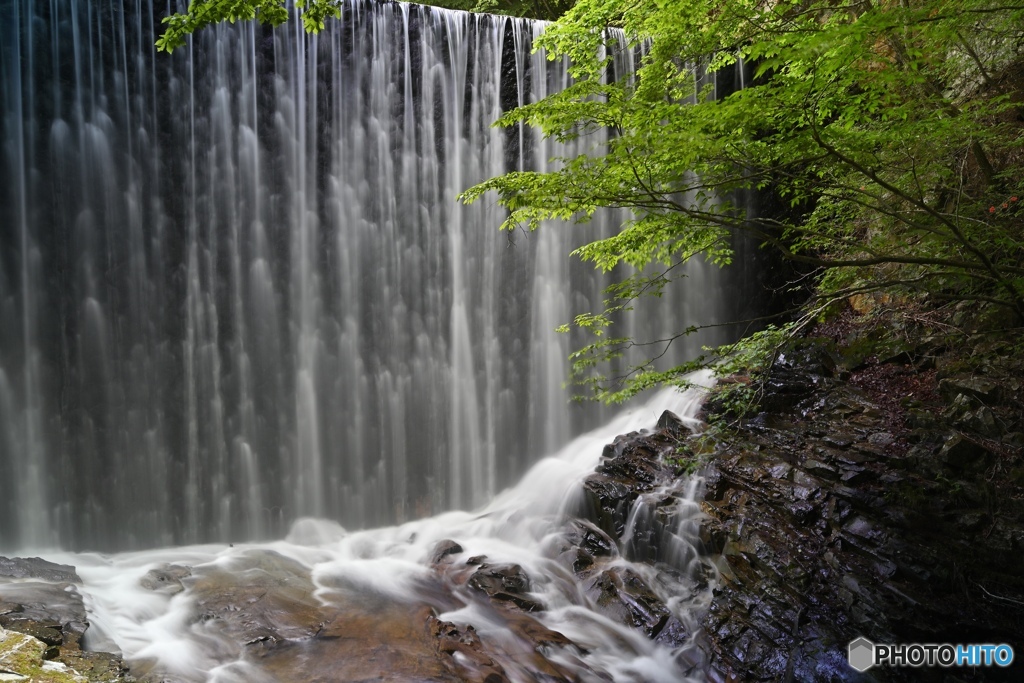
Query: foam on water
point(521, 525)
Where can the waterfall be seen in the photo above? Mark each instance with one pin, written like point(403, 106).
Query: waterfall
point(236, 288)
point(162, 608)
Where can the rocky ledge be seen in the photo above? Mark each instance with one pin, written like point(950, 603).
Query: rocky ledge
point(877, 498)
point(42, 622)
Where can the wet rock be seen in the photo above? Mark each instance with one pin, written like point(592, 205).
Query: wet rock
point(464, 642)
point(802, 512)
point(673, 633)
point(962, 453)
point(41, 601)
point(97, 667)
point(712, 536)
point(820, 469)
point(580, 543)
point(839, 440)
point(577, 559)
point(815, 357)
point(621, 594)
point(36, 568)
point(631, 466)
point(260, 597)
point(266, 606)
point(524, 650)
point(505, 582)
point(22, 657)
point(635, 463)
point(49, 634)
point(589, 537)
point(608, 499)
point(669, 422)
point(852, 477)
point(44, 608)
point(369, 639)
point(810, 560)
point(881, 439)
point(443, 549)
point(981, 388)
point(166, 579)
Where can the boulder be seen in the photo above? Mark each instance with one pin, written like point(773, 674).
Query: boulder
point(623, 596)
point(36, 568)
point(962, 453)
point(505, 582)
point(166, 579)
point(444, 549)
point(22, 659)
point(980, 388)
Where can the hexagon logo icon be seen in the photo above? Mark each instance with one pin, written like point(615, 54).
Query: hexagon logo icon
point(861, 654)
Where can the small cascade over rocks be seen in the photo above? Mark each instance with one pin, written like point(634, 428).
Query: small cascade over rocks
point(519, 590)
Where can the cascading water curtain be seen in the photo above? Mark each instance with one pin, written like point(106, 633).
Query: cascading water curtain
point(236, 287)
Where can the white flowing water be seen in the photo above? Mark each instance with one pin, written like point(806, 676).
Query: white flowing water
point(236, 288)
point(522, 525)
point(238, 299)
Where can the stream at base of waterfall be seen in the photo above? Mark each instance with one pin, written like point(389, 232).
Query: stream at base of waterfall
point(522, 589)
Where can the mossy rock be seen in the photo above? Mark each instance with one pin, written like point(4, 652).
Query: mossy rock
point(21, 659)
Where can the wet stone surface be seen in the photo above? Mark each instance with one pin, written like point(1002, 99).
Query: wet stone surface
point(41, 601)
point(836, 519)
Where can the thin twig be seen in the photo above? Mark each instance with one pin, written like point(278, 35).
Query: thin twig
point(998, 597)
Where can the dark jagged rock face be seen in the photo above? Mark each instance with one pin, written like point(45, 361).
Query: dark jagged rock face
point(624, 596)
point(837, 517)
point(628, 510)
point(632, 465)
point(507, 583)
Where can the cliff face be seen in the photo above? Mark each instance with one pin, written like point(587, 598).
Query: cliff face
point(875, 498)
point(872, 495)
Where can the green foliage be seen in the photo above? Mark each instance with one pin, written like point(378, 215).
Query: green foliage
point(891, 131)
point(314, 13)
point(534, 9)
point(694, 453)
point(747, 364)
point(202, 13)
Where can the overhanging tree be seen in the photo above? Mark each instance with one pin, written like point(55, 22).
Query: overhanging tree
point(314, 13)
point(202, 13)
point(892, 131)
